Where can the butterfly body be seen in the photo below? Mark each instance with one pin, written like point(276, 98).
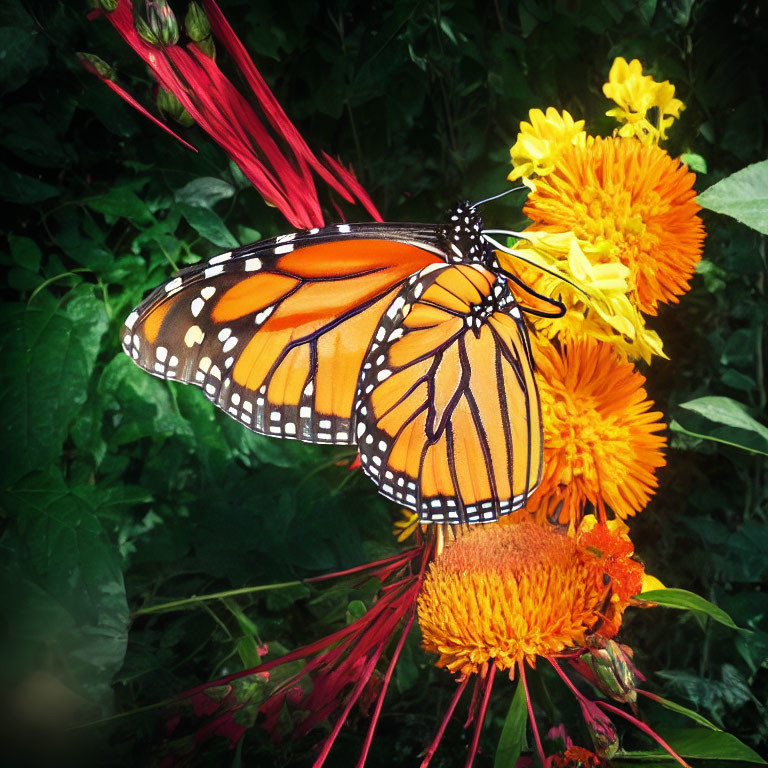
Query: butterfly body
point(401, 338)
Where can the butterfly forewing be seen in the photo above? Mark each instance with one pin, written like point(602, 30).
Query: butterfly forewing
point(276, 333)
point(448, 414)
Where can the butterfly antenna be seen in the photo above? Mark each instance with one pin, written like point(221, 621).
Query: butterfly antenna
point(502, 194)
point(560, 307)
point(496, 244)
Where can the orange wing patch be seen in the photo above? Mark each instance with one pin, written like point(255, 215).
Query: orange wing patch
point(448, 416)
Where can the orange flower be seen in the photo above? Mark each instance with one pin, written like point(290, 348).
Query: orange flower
point(578, 757)
point(503, 594)
point(610, 544)
point(634, 197)
point(600, 441)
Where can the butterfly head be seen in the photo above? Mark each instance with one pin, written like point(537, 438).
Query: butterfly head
point(462, 236)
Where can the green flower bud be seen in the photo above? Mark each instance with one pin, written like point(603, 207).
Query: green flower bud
point(171, 108)
point(98, 64)
point(207, 46)
point(162, 22)
point(613, 671)
point(144, 31)
point(196, 23)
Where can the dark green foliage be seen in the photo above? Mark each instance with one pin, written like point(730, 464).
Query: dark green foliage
point(120, 491)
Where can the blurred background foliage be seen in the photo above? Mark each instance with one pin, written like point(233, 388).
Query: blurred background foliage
point(119, 490)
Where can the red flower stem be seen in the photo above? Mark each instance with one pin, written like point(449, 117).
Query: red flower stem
point(610, 708)
point(531, 716)
point(481, 717)
point(356, 691)
point(299, 653)
point(406, 556)
point(473, 702)
point(385, 685)
point(649, 695)
point(441, 730)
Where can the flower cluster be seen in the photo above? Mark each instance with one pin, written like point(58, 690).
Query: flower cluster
point(624, 203)
point(636, 95)
point(614, 236)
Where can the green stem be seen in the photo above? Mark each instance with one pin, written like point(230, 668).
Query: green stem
point(178, 604)
point(122, 715)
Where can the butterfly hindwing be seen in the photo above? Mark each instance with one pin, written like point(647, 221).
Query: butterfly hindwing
point(275, 333)
point(448, 420)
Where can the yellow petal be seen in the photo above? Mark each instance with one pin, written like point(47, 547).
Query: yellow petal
point(651, 582)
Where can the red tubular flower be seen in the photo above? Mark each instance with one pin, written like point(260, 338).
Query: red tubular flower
point(269, 149)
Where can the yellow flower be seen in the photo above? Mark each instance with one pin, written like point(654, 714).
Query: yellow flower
point(601, 446)
point(634, 199)
point(636, 94)
point(503, 594)
point(592, 283)
point(406, 526)
point(540, 142)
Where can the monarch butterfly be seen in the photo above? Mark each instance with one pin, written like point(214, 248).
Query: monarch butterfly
point(404, 339)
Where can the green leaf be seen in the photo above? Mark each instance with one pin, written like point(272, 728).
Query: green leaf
point(68, 598)
point(694, 162)
point(248, 650)
point(208, 225)
point(512, 740)
point(743, 196)
point(21, 189)
point(680, 709)
point(122, 203)
point(445, 25)
point(204, 192)
point(355, 610)
point(646, 9)
point(687, 601)
point(25, 252)
point(48, 357)
point(722, 420)
point(700, 744)
point(23, 51)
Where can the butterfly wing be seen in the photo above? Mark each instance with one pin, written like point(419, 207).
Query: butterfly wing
point(276, 333)
point(448, 413)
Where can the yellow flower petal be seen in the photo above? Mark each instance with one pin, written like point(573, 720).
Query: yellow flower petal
point(651, 582)
point(595, 293)
point(540, 142)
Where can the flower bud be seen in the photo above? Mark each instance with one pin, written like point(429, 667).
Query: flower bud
point(613, 671)
point(162, 22)
point(198, 29)
point(601, 729)
point(98, 65)
point(144, 30)
point(171, 108)
point(196, 23)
